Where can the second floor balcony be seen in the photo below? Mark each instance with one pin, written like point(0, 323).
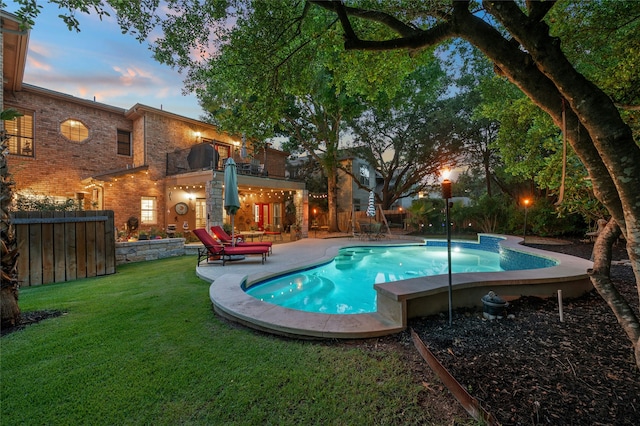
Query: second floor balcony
point(204, 156)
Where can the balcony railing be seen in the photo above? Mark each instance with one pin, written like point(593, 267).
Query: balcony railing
point(204, 157)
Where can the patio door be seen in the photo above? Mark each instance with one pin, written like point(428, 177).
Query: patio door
point(262, 215)
point(201, 212)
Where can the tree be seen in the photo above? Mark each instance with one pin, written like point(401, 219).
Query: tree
point(9, 309)
point(409, 137)
point(290, 82)
point(519, 43)
point(478, 131)
point(531, 149)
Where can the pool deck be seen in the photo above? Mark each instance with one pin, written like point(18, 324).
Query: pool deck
point(397, 301)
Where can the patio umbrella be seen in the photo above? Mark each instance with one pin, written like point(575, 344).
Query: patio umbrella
point(231, 199)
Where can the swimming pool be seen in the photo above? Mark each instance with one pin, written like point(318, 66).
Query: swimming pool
point(397, 301)
point(346, 284)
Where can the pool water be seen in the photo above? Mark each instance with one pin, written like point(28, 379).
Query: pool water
point(345, 285)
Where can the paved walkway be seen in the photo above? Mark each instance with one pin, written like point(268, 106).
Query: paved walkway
point(287, 255)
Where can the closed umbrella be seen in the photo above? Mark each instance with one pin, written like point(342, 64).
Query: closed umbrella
point(243, 149)
point(231, 199)
point(371, 210)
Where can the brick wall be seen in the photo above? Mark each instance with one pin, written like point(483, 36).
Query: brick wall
point(59, 165)
point(276, 161)
point(2, 68)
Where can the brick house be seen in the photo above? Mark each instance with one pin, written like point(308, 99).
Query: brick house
point(158, 167)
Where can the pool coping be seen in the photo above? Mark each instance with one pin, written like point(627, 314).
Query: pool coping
point(397, 301)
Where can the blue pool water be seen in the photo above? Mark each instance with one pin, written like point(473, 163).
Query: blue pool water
point(345, 285)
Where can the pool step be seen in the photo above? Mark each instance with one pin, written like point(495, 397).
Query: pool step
point(347, 259)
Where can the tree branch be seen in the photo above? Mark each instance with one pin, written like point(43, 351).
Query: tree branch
point(411, 37)
point(538, 9)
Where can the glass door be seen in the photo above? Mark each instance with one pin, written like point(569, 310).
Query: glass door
point(262, 215)
point(201, 213)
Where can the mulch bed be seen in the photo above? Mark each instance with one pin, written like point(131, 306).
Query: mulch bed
point(534, 369)
point(28, 318)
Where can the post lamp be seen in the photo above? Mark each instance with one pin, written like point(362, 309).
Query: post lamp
point(315, 223)
point(446, 195)
point(526, 202)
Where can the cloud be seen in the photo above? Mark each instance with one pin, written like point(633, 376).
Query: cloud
point(101, 62)
point(38, 57)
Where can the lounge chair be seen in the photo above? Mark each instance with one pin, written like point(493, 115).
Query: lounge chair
point(213, 249)
point(226, 240)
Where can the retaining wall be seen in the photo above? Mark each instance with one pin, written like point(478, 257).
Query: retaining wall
point(142, 250)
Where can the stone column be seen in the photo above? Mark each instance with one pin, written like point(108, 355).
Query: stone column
point(215, 203)
point(302, 211)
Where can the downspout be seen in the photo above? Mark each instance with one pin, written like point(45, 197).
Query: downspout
point(144, 139)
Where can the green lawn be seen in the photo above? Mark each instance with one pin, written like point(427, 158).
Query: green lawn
point(143, 346)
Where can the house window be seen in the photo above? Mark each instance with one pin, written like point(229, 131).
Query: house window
point(124, 142)
point(277, 217)
point(74, 130)
point(20, 133)
point(364, 174)
point(148, 210)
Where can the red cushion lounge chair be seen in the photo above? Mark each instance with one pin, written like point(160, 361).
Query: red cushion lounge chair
point(226, 239)
point(212, 248)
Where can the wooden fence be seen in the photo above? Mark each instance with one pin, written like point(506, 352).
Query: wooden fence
point(64, 246)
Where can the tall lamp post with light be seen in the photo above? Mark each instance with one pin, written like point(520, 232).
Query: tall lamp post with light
point(526, 202)
point(315, 223)
point(446, 195)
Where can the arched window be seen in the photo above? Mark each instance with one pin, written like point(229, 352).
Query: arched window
point(74, 130)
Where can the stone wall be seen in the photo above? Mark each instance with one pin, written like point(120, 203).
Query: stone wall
point(140, 251)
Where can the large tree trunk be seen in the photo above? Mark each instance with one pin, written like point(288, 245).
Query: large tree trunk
point(601, 279)
point(332, 198)
point(9, 310)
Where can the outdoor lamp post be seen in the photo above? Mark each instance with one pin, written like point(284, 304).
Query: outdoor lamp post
point(446, 195)
point(315, 223)
point(526, 202)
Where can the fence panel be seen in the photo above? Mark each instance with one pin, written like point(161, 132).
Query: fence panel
point(64, 246)
point(23, 248)
point(59, 257)
point(47, 252)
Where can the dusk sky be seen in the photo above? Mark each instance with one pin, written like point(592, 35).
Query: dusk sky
point(101, 62)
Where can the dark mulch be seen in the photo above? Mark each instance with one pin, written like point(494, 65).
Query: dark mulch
point(28, 318)
point(534, 369)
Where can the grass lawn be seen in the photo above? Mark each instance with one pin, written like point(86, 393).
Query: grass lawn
point(143, 346)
